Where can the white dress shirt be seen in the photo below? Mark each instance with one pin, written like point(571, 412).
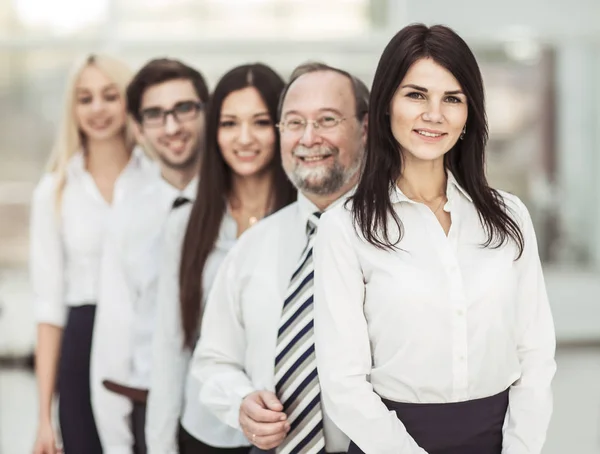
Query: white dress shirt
point(66, 246)
point(125, 318)
point(174, 392)
point(441, 320)
point(236, 352)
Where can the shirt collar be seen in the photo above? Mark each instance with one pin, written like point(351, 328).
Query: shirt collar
point(76, 165)
point(452, 187)
point(138, 160)
point(171, 192)
point(453, 184)
point(191, 190)
point(307, 207)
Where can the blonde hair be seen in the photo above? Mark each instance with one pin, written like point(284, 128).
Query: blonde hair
point(69, 138)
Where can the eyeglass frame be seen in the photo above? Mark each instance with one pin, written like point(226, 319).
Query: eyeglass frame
point(315, 124)
point(199, 105)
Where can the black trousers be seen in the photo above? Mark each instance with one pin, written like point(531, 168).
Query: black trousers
point(76, 419)
point(256, 450)
point(471, 427)
point(138, 420)
point(190, 445)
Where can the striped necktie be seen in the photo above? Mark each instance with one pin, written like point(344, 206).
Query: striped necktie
point(296, 380)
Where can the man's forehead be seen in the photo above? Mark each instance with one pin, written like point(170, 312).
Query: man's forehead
point(169, 92)
point(319, 90)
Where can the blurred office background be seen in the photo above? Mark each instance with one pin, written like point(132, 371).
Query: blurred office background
point(541, 63)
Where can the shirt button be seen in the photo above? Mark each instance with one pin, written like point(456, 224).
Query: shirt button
point(460, 312)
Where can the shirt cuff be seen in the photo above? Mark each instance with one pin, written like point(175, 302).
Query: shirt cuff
point(233, 416)
point(46, 313)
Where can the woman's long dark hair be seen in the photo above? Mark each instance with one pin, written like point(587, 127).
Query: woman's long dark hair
point(215, 184)
point(371, 204)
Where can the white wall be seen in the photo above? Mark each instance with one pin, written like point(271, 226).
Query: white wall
point(554, 20)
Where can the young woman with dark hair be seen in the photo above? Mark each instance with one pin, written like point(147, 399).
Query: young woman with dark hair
point(433, 328)
point(241, 181)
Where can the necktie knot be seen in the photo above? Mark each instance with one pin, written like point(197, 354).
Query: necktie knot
point(179, 201)
point(313, 223)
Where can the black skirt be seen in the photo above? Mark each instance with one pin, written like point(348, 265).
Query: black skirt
point(471, 427)
point(77, 425)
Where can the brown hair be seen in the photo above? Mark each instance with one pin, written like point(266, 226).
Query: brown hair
point(215, 184)
point(371, 203)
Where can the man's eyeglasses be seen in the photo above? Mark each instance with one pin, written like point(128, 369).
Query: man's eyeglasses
point(299, 124)
point(155, 117)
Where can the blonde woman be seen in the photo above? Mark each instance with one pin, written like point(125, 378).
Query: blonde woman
point(92, 168)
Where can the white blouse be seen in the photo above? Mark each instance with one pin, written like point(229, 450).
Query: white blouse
point(174, 391)
point(443, 319)
point(66, 246)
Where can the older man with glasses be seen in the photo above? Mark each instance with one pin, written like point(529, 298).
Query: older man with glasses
point(166, 99)
point(256, 355)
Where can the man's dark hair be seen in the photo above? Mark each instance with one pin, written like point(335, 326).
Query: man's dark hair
point(156, 72)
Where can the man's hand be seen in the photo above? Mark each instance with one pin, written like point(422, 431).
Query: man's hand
point(262, 420)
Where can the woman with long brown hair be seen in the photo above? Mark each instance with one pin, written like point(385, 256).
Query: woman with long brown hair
point(241, 181)
point(433, 329)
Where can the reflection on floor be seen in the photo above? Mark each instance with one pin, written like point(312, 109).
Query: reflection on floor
point(575, 426)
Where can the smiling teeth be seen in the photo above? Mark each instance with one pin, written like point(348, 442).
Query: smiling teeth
point(246, 154)
point(428, 134)
point(100, 124)
point(313, 158)
point(177, 145)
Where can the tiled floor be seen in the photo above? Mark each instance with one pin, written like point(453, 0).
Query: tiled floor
point(575, 427)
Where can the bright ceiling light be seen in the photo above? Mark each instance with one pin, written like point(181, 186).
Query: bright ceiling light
point(62, 17)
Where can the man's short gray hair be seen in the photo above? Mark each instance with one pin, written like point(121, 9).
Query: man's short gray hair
point(361, 92)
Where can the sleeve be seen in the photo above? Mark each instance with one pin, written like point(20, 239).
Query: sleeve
point(530, 398)
point(343, 348)
point(170, 359)
point(112, 349)
point(220, 355)
point(46, 261)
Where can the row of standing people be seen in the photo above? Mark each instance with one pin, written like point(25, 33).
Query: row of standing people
point(174, 324)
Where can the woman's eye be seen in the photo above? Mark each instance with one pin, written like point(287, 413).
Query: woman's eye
point(263, 123)
point(453, 99)
point(85, 100)
point(111, 97)
point(227, 124)
point(415, 95)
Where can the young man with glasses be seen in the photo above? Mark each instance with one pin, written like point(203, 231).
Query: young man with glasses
point(255, 356)
point(166, 100)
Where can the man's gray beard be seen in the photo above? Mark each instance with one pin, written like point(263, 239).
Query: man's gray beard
point(329, 181)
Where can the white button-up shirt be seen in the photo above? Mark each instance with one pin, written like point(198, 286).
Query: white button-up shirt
point(66, 245)
point(174, 392)
point(236, 352)
point(443, 319)
point(125, 318)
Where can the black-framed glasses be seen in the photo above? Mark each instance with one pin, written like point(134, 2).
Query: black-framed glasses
point(299, 124)
point(155, 117)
